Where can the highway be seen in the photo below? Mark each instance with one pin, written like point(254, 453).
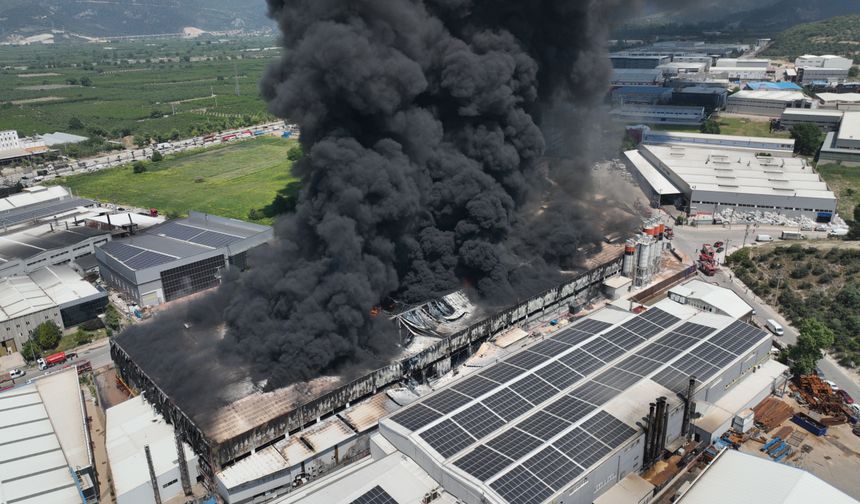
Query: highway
point(690, 239)
point(117, 158)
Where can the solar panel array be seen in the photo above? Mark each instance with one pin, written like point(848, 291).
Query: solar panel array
point(566, 431)
point(135, 258)
point(375, 495)
point(196, 235)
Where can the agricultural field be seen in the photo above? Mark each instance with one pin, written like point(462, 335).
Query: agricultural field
point(237, 180)
point(818, 280)
point(157, 89)
point(845, 182)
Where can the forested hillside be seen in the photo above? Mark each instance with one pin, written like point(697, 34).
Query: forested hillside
point(839, 35)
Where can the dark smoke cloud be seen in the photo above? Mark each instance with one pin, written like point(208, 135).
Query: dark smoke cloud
point(425, 170)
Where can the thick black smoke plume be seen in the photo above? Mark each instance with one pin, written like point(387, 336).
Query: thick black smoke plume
point(424, 171)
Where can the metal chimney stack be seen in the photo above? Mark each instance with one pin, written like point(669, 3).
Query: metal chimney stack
point(686, 430)
point(152, 478)
point(183, 464)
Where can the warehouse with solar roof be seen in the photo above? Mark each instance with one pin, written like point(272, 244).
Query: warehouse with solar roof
point(179, 257)
point(567, 418)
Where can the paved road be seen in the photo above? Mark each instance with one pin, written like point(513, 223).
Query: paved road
point(98, 354)
point(689, 240)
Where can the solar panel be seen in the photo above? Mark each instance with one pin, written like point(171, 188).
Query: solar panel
point(376, 495)
point(474, 386)
point(608, 429)
point(478, 421)
point(623, 338)
point(594, 393)
point(713, 355)
point(533, 389)
point(695, 330)
point(617, 378)
point(447, 438)
point(121, 251)
point(526, 360)
point(659, 317)
point(639, 365)
point(147, 259)
point(672, 379)
point(507, 404)
point(178, 231)
point(694, 366)
point(581, 447)
point(214, 240)
point(582, 362)
point(677, 341)
point(590, 326)
point(519, 486)
point(660, 353)
point(446, 401)
point(543, 425)
point(415, 417)
point(549, 348)
point(514, 443)
point(603, 349)
point(482, 462)
point(572, 336)
point(501, 372)
point(569, 408)
point(552, 468)
point(558, 375)
point(642, 327)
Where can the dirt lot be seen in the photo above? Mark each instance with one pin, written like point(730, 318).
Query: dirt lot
point(835, 458)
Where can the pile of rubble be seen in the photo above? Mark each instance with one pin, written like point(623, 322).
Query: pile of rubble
point(817, 394)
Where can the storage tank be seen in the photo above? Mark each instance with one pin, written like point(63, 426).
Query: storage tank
point(644, 253)
point(629, 258)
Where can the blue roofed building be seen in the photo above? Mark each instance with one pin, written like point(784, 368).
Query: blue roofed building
point(773, 86)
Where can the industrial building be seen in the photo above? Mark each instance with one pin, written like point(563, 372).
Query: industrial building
point(767, 103)
point(735, 74)
point(639, 61)
point(137, 438)
point(828, 68)
point(715, 179)
point(52, 293)
point(179, 257)
point(711, 98)
point(658, 114)
point(843, 145)
point(772, 86)
point(636, 77)
point(46, 454)
point(641, 95)
point(737, 477)
point(710, 298)
point(14, 149)
point(676, 68)
point(254, 420)
point(839, 101)
point(827, 120)
point(780, 147)
point(659, 190)
point(562, 420)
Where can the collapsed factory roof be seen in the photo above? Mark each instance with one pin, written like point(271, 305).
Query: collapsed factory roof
point(529, 427)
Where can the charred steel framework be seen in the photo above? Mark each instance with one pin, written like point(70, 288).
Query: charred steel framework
point(212, 456)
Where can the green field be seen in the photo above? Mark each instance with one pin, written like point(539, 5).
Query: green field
point(166, 88)
point(228, 180)
point(740, 126)
point(845, 182)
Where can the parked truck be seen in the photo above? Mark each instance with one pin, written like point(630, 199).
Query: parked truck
point(53, 359)
point(792, 235)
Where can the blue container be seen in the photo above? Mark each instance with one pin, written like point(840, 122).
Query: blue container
point(810, 424)
point(287, 134)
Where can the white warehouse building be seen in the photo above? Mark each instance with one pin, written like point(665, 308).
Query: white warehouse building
point(766, 102)
point(713, 179)
point(828, 68)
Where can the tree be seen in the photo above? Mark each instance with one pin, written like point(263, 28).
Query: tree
point(295, 153)
point(807, 138)
point(854, 72)
point(47, 335)
point(138, 167)
point(30, 351)
point(680, 220)
point(76, 124)
point(710, 127)
point(814, 338)
point(156, 156)
point(854, 225)
point(112, 318)
point(82, 337)
point(86, 82)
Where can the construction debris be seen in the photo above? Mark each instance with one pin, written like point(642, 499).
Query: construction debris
point(819, 396)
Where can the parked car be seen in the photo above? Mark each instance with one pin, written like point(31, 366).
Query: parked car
point(833, 386)
point(718, 244)
point(822, 227)
point(845, 396)
point(16, 373)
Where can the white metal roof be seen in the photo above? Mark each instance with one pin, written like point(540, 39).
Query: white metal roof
point(850, 128)
point(722, 299)
point(37, 194)
point(42, 289)
point(130, 426)
point(655, 179)
point(122, 219)
point(839, 97)
point(776, 142)
point(837, 114)
point(768, 95)
point(62, 284)
point(41, 434)
point(738, 477)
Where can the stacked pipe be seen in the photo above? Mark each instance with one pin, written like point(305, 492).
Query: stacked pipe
point(686, 431)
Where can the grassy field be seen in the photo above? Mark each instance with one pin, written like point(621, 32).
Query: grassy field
point(228, 180)
point(740, 126)
point(845, 182)
point(147, 89)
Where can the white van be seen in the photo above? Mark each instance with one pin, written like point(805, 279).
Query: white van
point(764, 238)
point(774, 327)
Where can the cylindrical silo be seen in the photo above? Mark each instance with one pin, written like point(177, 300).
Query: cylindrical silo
point(629, 258)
